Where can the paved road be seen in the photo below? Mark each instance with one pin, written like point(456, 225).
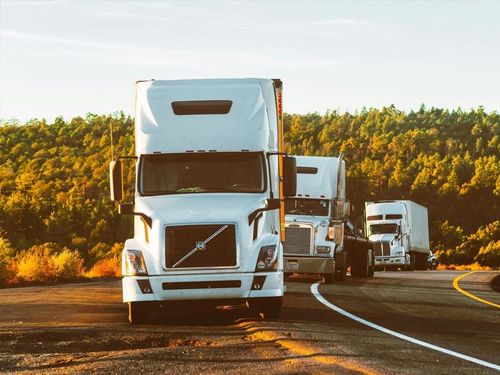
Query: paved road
point(83, 328)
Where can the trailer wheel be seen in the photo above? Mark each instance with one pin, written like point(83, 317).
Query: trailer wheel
point(138, 312)
point(420, 262)
point(328, 278)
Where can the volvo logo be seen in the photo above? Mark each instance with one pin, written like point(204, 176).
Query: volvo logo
point(200, 245)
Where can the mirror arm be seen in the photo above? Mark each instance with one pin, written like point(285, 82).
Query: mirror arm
point(271, 204)
point(128, 209)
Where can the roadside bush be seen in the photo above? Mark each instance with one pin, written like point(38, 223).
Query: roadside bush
point(109, 267)
point(37, 264)
point(7, 264)
point(69, 265)
point(99, 251)
point(489, 255)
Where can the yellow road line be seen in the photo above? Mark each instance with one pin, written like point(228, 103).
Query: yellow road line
point(468, 294)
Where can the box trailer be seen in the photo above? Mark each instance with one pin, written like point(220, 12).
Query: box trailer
point(400, 232)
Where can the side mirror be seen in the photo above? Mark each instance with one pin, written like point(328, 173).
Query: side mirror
point(126, 208)
point(273, 204)
point(289, 176)
point(115, 180)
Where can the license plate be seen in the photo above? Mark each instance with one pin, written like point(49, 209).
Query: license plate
point(293, 265)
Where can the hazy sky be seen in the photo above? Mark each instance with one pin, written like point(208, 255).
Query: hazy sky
point(73, 57)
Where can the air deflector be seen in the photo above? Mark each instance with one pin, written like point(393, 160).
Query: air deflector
point(202, 107)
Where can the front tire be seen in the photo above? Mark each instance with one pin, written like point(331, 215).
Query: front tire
point(270, 308)
point(411, 266)
point(339, 274)
point(138, 312)
point(371, 265)
point(328, 278)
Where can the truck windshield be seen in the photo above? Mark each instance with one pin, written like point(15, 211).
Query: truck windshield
point(383, 228)
point(234, 172)
point(314, 207)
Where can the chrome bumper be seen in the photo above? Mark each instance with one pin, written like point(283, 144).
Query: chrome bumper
point(308, 265)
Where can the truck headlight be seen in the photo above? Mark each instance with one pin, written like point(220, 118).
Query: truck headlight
point(134, 263)
point(268, 259)
point(399, 253)
point(323, 249)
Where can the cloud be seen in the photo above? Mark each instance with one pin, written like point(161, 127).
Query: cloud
point(193, 59)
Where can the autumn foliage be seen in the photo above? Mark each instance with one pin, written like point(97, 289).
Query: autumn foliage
point(54, 186)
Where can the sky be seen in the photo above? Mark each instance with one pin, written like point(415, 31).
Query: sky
point(69, 58)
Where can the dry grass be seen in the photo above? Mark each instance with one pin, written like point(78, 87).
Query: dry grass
point(464, 267)
point(109, 267)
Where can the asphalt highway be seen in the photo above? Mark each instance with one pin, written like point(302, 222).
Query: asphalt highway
point(395, 323)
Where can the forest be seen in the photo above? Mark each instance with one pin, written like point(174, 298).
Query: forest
point(54, 188)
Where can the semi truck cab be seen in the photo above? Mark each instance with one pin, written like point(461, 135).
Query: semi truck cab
point(208, 206)
point(321, 237)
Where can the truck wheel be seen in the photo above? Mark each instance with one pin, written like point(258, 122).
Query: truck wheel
point(138, 312)
point(411, 266)
point(328, 278)
point(420, 262)
point(371, 265)
point(269, 307)
point(339, 274)
point(360, 266)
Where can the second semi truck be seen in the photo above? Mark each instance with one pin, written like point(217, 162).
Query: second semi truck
point(321, 237)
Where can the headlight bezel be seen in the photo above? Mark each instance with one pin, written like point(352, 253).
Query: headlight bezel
point(268, 259)
point(135, 265)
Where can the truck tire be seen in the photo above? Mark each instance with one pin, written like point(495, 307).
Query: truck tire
point(411, 266)
point(420, 262)
point(269, 307)
point(339, 274)
point(328, 278)
point(359, 267)
point(371, 266)
point(138, 312)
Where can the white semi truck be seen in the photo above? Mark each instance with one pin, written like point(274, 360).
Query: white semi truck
point(321, 237)
point(400, 232)
point(211, 178)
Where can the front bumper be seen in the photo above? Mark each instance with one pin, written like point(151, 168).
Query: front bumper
point(390, 261)
point(238, 286)
point(308, 264)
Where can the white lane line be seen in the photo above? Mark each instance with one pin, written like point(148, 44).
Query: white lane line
point(320, 298)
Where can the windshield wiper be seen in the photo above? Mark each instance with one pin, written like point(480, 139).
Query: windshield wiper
point(190, 189)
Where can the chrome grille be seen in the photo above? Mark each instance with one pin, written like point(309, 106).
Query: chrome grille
point(298, 240)
point(382, 248)
point(219, 251)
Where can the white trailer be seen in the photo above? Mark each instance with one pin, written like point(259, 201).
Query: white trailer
point(321, 238)
point(400, 232)
point(211, 179)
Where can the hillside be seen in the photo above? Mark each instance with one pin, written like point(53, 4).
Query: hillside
point(54, 177)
